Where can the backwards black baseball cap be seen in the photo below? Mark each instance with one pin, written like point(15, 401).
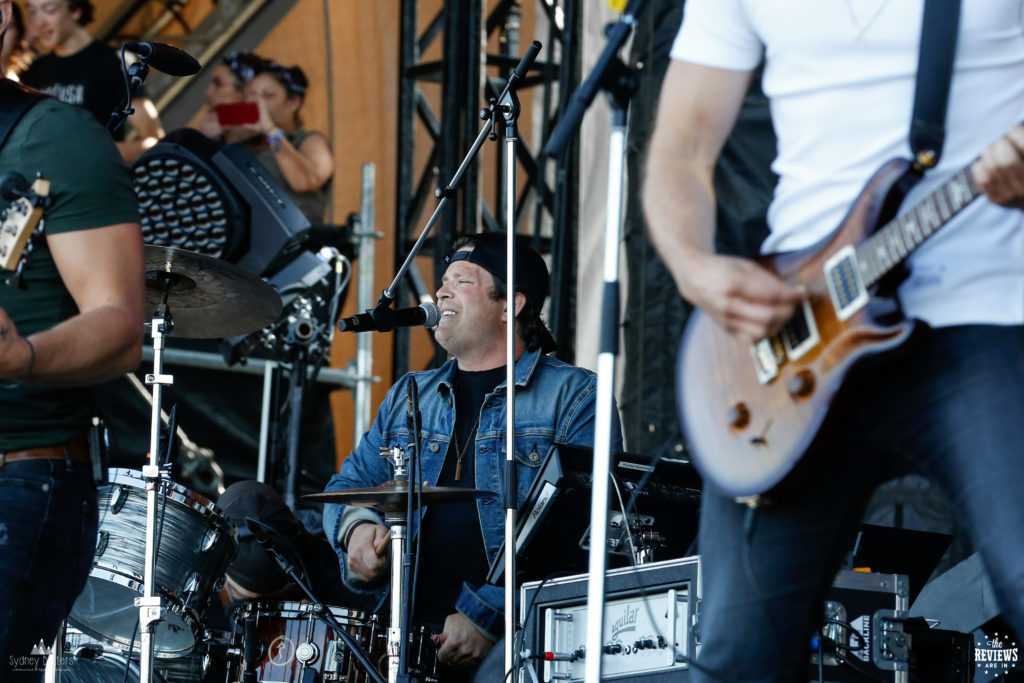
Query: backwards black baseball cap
point(531, 273)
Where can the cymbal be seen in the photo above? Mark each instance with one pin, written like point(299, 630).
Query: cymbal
point(391, 496)
point(208, 298)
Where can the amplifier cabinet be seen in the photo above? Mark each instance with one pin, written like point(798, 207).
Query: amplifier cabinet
point(650, 621)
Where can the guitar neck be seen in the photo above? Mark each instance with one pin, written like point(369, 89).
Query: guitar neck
point(894, 242)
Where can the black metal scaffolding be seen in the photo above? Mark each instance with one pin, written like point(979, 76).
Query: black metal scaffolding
point(546, 207)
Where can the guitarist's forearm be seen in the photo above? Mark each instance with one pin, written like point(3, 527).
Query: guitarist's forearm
point(679, 205)
point(91, 347)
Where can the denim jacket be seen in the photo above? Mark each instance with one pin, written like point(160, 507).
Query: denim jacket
point(554, 405)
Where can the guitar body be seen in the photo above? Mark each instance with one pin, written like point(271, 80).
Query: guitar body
point(747, 423)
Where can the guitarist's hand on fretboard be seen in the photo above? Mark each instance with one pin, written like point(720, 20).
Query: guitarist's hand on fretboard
point(745, 299)
point(999, 170)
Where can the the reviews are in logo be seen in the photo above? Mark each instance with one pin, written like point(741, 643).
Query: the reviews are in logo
point(995, 655)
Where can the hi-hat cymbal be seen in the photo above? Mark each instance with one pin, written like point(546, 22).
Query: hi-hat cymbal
point(391, 496)
point(208, 298)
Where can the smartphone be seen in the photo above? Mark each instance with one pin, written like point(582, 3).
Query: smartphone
point(238, 113)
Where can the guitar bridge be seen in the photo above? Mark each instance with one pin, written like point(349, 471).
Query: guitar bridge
point(845, 287)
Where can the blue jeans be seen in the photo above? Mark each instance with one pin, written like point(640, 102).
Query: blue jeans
point(949, 403)
point(48, 524)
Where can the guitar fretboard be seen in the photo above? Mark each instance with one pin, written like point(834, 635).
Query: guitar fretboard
point(894, 241)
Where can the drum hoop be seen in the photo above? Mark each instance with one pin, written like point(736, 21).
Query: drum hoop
point(169, 489)
point(188, 615)
point(292, 609)
point(133, 582)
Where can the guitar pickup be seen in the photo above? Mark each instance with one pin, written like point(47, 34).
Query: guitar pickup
point(800, 334)
point(768, 355)
point(845, 287)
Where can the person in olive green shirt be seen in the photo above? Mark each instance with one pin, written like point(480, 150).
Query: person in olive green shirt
point(78, 320)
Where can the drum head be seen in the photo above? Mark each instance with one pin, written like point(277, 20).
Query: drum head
point(106, 610)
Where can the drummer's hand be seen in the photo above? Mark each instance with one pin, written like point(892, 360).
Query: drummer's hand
point(363, 561)
point(461, 643)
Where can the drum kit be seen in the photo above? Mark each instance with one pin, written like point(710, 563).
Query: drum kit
point(162, 550)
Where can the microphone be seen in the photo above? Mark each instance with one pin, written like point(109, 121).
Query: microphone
point(167, 58)
point(386, 319)
point(252, 650)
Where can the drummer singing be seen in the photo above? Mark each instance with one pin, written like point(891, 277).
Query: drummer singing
point(75, 321)
point(463, 441)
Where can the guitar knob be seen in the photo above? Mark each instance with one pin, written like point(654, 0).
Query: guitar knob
point(801, 385)
point(739, 416)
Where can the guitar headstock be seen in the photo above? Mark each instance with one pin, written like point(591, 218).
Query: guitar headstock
point(19, 220)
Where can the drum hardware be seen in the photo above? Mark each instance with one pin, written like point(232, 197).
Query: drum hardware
point(392, 498)
point(213, 299)
point(199, 469)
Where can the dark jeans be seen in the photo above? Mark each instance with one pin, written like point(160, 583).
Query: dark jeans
point(48, 523)
point(950, 403)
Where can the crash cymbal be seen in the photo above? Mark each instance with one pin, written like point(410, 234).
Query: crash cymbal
point(208, 298)
point(391, 496)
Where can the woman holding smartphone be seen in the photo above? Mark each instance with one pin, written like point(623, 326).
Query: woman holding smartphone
point(225, 95)
point(298, 158)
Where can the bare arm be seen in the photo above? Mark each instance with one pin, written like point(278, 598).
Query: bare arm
point(698, 108)
point(103, 270)
point(308, 167)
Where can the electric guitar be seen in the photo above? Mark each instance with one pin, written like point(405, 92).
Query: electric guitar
point(20, 218)
point(750, 411)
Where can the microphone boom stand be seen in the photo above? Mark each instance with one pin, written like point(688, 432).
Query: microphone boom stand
point(507, 104)
point(611, 75)
point(381, 313)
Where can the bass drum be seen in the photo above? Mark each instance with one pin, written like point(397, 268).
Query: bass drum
point(195, 546)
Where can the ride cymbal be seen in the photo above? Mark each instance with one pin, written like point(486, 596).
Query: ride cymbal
point(208, 298)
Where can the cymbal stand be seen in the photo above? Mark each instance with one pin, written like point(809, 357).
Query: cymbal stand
point(397, 523)
point(151, 606)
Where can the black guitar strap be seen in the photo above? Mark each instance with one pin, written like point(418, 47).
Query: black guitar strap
point(934, 73)
point(15, 100)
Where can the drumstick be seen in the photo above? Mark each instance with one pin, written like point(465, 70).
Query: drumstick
point(383, 544)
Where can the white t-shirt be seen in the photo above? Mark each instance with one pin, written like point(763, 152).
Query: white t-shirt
point(840, 78)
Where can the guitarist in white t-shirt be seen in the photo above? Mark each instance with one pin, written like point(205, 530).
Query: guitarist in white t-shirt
point(824, 410)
